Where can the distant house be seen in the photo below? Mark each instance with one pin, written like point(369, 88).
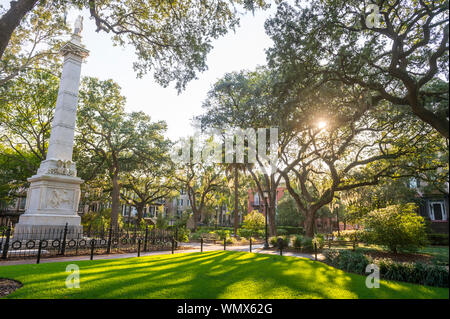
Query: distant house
point(434, 205)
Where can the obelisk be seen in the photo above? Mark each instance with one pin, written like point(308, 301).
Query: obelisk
point(54, 192)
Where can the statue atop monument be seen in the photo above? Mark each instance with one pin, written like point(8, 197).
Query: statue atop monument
point(78, 26)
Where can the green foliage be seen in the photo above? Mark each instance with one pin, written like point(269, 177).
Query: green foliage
point(303, 33)
point(298, 242)
point(99, 219)
point(35, 43)
point(162, 222)
point(291, 230)
point(419, 273)
point(396, 227)
point(26, 111)
point(183, 234)
point(438, 239)
point(222, 233)
point(254, 222)
point(318, 240)
point(307, 244)
point(348, 260)
point(280, 241)
point(288, 213)
point(349, 234)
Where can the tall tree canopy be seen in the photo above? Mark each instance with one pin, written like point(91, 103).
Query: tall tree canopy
point(171, 38)
point(402, 59)
point(110, 140)
point(26, 111)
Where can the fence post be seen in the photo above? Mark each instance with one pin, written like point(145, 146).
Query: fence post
point(108, 250)
point(225, 243)
point(250, 244)
point(139, 247)
point(315, 251)
point(201, 244)
point(92, 248)
point(173, 244)
point(176, 236)
point(146, 238)
point(63, 246)
point(39, 252)
point(6, 245)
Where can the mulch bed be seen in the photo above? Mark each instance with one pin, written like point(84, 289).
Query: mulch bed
point(8, 286)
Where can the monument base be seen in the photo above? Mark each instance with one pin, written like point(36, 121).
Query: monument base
point(52, 203)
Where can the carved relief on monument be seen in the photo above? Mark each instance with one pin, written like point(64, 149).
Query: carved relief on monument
point(62, 168)
point(60, 198)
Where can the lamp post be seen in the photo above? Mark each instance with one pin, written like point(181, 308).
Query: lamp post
point(217, 216)
point(266, 196)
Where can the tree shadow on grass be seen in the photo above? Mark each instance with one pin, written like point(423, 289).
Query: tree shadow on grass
point(214, 274)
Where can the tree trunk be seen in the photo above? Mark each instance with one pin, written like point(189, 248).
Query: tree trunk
point(11, 20)
point(236, 200)
point(272, 226)
point(195, 214)
point(140, 212)
point(115, 201)
point(309, 224)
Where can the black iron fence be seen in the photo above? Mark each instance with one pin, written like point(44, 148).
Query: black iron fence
point(70, 242)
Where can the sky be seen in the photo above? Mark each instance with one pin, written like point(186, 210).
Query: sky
point(243, 49)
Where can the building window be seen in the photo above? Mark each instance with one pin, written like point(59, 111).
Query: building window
point(22, 203)
point(256, 199)
point(437, 211)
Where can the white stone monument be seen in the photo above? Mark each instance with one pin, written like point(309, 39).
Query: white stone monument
point(54, 193)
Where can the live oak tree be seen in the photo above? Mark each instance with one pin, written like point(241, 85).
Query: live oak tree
point(150, 181)
point(201, 179)
point(244, 100)
point(26, 111)
point(399, 55)
point(171, 38)
point(357, 146)
point(109, 140)
point(35, 42)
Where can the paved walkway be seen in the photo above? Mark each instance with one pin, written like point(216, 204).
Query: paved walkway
point(186, 248)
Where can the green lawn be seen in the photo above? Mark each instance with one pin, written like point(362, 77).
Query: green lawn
point(218, 274)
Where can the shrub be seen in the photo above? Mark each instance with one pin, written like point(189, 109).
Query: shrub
point(319, 240)
point(396, 227)
point(183, 234)
point(417, 273)
point(350, 234)
point(245, 233)
point(285, 241)
point(222, 233)
point(347, 260)
point(438, 239)
point(290, 230)
point(254, 221)
point(199, 233)
point(307, 244)
point(298, 242)
point(99, 219)
point(282, 232)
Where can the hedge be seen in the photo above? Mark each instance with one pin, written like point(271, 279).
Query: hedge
point(417, 273)
point(438, 239)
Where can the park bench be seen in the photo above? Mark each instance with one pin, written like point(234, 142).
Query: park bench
point(211, 237)
point(342, 243)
